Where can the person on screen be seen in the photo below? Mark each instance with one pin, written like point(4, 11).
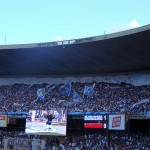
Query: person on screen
point(49, 121)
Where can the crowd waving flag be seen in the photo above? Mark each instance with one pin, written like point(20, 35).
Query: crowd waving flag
point(41, 94)
point(89, 90)
point(65, 90)
point(1, 97)
point(141, 102)
point(77, 98)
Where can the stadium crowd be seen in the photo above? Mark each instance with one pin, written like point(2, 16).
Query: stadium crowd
point(99, 141)
point(106, 97)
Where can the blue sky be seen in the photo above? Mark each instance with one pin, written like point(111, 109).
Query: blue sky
point(32, 21)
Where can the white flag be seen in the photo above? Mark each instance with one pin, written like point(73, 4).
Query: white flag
point(141, 102)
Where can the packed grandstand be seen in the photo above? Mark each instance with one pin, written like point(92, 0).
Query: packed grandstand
point(106, 97)
point(39, 97)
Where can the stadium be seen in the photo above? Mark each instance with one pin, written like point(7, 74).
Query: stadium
point(97, 90)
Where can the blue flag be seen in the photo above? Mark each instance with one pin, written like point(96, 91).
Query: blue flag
point(77, 98)
point(89, 90)
point(65, 90)
point(41, 94)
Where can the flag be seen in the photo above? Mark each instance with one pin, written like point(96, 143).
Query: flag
point(41, 94)
point(89, 90)
point(1, 97)
point(61, 101)
point(49, 88)
point(77, 98)
point(65, 90)
point(141, 102)
point(16, 104)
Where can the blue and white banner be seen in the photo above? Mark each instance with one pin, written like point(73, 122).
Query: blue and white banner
point(141, 102)
point(89, 90)
point(2, 97)
point(77, 98)
point(41, 94)
point(65, 90)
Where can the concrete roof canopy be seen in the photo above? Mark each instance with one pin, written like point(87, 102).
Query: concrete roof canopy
point(122, 52)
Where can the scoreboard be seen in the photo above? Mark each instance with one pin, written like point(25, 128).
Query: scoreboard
point(95, 121)
point(87, 121)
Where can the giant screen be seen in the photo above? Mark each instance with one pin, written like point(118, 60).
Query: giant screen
point(42, 122)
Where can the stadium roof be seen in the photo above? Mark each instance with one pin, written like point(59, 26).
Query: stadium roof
point(122, 52)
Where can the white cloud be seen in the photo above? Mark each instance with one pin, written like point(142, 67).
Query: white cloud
point(133, 24)
point(117, 27)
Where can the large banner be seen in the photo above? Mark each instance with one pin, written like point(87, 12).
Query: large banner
point(117, 122)
point(65, 90)
point(89, 90)
point(3, 120)
point(41, 94)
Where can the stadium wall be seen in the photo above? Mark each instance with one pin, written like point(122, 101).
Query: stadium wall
point(134, 79)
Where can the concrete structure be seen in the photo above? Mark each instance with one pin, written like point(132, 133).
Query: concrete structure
point(122, 52)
